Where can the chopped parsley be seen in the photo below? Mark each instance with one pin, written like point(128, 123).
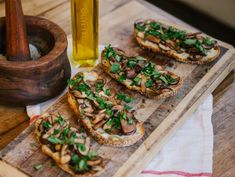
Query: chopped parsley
point(55, 140)
point(60, 119)
point(46, 124)
point(131, 63)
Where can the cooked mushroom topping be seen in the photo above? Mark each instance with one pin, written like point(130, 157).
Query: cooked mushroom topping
point(127, 128)
point(131, 73)
point(170, 38)
point(68, 146)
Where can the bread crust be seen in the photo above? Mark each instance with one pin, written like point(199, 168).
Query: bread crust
point(102, 137)
point(55, 155)
point(154, 47)
point(149, 93)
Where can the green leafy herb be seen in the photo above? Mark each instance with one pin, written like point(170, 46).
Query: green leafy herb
point(140, 27)
point(148, 70)
point(75, 159)
point(37, 166)
point(91, 154)
point(107, 92)
point(82, 87)
point(99, 85)
point(208, 41)
point(124, 97)
point(60, 120)
point(46, 124)
point(122, 77)
point(54, 140)
point(139, 58)
point(170, 79)
point(136, 81)
point(109, 112)
point(131, 63)
point(130, 121)
point(155, 25)
point(115, 68)
point(127, 107)
point(83, 164)
point(81, 147)
point(149, 83)
point(56, 131)
point(190, 41)
point(75, 80)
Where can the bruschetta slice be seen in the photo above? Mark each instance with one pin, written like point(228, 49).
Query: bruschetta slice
point(103, 112)
point(67, 146)
point(139, 74)
point(187, 47)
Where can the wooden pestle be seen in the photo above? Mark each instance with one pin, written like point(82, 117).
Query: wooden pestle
point(17, 45)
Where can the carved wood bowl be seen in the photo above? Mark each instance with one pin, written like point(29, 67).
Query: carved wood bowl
point(33, 81)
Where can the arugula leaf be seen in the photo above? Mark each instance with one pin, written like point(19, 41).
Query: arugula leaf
point(149, 69)
point(148, 83)
point(115, 68)
point(75, 80)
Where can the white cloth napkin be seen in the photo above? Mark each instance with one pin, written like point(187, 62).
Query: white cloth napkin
point(188, 153)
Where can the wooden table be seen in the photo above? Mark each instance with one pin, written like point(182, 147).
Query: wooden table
point(14, 120)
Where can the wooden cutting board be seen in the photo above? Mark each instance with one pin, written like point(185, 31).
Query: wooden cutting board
point(161, 117)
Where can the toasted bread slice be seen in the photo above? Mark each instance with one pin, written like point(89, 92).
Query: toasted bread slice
point(67, 146)
point(138, 74)
point(192, 48)
point(102, 112)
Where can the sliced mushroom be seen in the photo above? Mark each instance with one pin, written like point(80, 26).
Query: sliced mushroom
point(192, 35)
point(94, 161)
point(118, 107)
point(153, 39)
point(143, 81)
point(127, 128)
point(107, 126)
point(99, 124)
point(163, 47)
point(89, 114)
point(98, 118)
point(50, 132)
point(78, 94)
point(65, 159)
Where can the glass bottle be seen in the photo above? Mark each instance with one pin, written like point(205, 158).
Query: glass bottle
point(85, 16)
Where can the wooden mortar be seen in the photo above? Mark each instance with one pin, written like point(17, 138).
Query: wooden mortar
point(33, 81)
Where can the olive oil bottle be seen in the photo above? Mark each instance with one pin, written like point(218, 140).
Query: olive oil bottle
point(85, 16)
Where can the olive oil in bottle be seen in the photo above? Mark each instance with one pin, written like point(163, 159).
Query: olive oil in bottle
point(85, 18)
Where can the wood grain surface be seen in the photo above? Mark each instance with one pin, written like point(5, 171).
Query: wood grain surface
point(14, 120)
